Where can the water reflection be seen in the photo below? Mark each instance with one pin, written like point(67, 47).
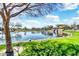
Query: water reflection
point(29, 35)
point(24, 36)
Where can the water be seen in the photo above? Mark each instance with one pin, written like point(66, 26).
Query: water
point(26, 36)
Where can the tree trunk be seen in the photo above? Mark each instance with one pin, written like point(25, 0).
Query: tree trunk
point(6, 18)
point(9, 49)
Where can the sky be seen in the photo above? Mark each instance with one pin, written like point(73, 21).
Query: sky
point(67, 15)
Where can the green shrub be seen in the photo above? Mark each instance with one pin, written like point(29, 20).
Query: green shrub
point(76, 47)
point(70, 52)
point(50, 49)
point(77, 53)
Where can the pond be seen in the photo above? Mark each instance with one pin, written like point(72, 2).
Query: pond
point(26, 36)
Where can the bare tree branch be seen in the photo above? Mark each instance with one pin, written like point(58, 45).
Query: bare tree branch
point(28, 7)
point(15, 14)
point(9, 5)
point(36, 9)
point(14, 6)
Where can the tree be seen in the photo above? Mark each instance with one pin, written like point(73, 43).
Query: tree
point(10, 10)
point(49, 27)
point(74, 26)
point(18, 25)
point(64, 26)
point(78, 26)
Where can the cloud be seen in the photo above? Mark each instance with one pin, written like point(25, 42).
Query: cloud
point(53, 17)
point(71, 21)
point(70, 6)
point(16, 20)
point(75, 18)
point(49, 20)
point(68, 21)
point(33, 23)
point(77, 12)
point(26, 23)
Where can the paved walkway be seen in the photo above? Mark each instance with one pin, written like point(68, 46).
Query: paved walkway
point(17, 50)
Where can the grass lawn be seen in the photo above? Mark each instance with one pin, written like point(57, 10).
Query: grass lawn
point(2, 47)
point(62, 46)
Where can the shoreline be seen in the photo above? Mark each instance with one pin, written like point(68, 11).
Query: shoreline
point(69, 34)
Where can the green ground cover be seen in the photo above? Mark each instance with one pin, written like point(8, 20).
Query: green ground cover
point(62, 46)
